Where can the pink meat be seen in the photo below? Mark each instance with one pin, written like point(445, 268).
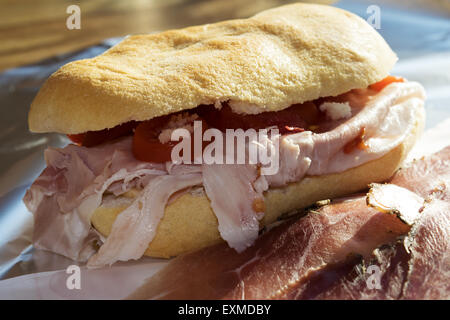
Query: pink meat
point(321, 255)
point(231, 190)
point(69, 190)
point(280, 258)
point(417, 267)
point(136, 226)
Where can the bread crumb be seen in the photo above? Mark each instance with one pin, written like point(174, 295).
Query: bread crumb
point(336, 110)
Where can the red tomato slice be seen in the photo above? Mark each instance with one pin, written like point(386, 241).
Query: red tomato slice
point(77, 138)
point(146, 144)
point(380, 85)
point(147, 148)
point(93, 138)
point(357, 143)
point(297, 116)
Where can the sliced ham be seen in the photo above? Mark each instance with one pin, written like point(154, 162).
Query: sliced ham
point(69, 190)
point(235, 202)
point(387, 118)
point(136, 226)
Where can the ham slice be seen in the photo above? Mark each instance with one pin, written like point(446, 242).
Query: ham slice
point(427, 177)
point(322, 254)
point(387, 118)
point(69, 190)
point(136, 226)
point(234, 200)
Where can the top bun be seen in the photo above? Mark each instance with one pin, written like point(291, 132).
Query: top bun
point(268, 62)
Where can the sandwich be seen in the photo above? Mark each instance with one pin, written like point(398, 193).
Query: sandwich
point(304, 87)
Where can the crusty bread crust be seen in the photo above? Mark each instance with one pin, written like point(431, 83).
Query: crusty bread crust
point(189, 222)
point(279, 57)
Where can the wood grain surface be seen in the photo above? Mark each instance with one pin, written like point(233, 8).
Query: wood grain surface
point(32, 30)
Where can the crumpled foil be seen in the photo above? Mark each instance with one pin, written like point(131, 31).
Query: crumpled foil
point(421, 40)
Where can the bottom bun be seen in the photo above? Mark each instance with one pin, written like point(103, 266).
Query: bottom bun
point(189, 222)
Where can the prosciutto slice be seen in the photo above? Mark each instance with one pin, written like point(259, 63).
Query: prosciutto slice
point(281, 258)
point(324, 254)
point(417, 267)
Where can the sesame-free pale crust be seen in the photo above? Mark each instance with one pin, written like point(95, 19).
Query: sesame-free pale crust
point(278, 57)
point(189, 222)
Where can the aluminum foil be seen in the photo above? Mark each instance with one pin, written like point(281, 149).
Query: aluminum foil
point(421, 40)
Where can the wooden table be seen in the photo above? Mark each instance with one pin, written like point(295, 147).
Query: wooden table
point(32, 30)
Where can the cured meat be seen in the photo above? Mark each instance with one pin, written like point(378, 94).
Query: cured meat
point(280, 258)
point(385, 198)
point(324, 254)
point(429, 176)
point(235, 202)
point(387, 118)
point(136, 226)
point(417, 267)
point(69, 190)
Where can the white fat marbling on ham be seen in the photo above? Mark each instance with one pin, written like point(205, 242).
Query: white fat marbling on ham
point(295, 159)
point(386, 198)
point(69, 190)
